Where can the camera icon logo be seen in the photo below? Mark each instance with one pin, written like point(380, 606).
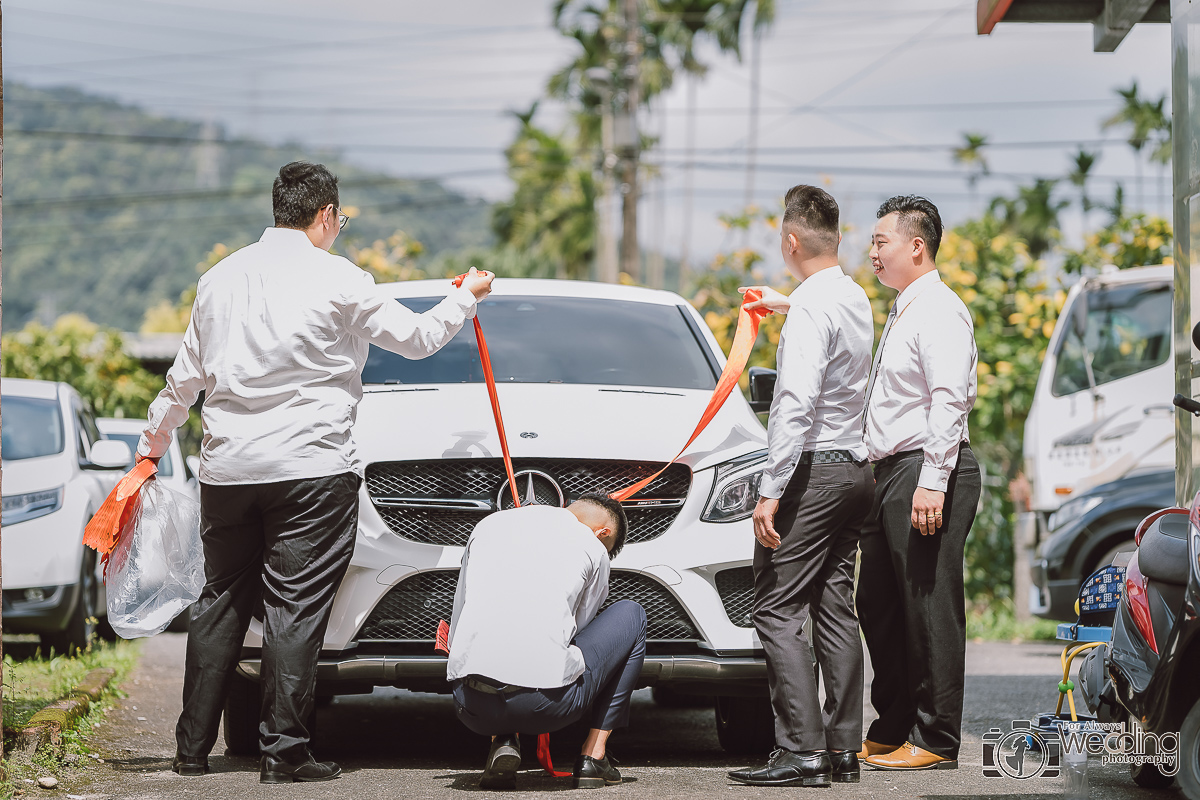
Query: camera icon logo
point(1022, 752)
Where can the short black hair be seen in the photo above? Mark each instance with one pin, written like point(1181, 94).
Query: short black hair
point(814, 210)
point(301, 190)
point(917, 218)
point(615, 512)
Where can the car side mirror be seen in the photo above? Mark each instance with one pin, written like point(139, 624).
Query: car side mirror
point(762, 388)
point(110, 454)
point(1196, 336)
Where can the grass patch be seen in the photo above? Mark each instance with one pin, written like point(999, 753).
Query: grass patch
point(998, 623)
point(32, 681)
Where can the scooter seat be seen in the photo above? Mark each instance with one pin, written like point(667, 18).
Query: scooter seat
point(1163, 553)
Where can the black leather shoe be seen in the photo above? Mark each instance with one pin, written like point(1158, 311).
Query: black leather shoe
point(785, 768)
point(272, 770)
point(189, 767)
point(591, 773)
point(503, 761)
point(845, 766)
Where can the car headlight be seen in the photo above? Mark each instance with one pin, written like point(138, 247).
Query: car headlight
point(735, 489)
point(1073, 510)
point(24, 507)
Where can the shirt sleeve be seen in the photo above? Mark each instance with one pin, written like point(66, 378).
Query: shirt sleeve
point(948, 358)
point(594, 593)
point(382, 320)
point(460, 594)
point(802, 360)
point(185, 380)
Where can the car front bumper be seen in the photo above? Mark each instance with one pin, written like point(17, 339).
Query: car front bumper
point(48, 615)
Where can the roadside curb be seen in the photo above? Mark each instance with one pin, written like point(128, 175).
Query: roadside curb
point(45, 728)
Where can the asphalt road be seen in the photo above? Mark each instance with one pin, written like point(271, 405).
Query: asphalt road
point(398, 744)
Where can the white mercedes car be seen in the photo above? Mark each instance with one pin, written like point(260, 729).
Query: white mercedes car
point(599, 385)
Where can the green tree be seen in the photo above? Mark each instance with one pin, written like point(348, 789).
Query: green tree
point(1128, 240)
point(93, 361)
point(971, 156)
point(1146, 121)
point(1081, 169)
point(1032, 216)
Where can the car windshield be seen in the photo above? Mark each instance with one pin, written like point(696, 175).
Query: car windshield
point(561, 340)
point(1114, 333)
point(32, 428)
point(165, 468)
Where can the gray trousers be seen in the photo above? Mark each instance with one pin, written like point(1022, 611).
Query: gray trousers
point(910, 600)
point(812, 571)
point(280, 550)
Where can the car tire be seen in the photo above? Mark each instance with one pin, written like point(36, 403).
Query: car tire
point(83, 620)
point(243, 710)
point(1149, 776)
point(1127, 546)
point(1189, 754)
point(745, 724)
point(666, 697)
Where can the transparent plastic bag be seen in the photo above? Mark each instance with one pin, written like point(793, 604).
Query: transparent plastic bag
point(156, 569)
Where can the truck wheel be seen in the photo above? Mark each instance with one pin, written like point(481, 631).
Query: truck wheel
point(1148, 776)
point(81, 625)
point(745, 724)
point(1189, 754)
point(243, 707)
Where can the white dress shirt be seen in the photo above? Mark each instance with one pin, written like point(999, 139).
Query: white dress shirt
point(823, 362)
point(531, 578)
point(923, 384)
point(277, 341)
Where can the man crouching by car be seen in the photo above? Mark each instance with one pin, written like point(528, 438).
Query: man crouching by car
point(528, 652)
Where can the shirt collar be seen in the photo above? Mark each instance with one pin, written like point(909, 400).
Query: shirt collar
point(915, 288)
point(821, 278)
point(286, 237)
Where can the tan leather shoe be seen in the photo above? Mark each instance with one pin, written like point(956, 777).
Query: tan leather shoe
point(909, 756)
point(870, 748)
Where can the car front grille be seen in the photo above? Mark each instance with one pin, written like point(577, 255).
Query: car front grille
point(736, 588)
point(480, 479)
point(411, 610)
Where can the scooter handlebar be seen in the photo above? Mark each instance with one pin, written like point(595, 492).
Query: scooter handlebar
point(1187, 404)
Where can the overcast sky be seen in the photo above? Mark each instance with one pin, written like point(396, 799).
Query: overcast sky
point(866, 95)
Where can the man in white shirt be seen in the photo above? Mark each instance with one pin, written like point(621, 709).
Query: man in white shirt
point(814, 495)
point(910, 583)
point(528, 652)
point(277, 340)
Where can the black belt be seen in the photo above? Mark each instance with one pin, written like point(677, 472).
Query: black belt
point(487, 687)
point(828, 457)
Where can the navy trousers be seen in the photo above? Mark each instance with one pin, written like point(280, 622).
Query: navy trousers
point(613, 647)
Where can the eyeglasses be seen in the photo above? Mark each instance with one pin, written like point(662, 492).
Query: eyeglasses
point(342, 219)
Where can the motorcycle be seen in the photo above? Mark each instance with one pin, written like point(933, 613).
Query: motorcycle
point(1150, 670)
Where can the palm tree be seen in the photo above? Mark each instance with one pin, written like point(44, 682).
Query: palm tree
point(971, 156)
point(1082, 164)
point(1144, 118)
point(1033, 215)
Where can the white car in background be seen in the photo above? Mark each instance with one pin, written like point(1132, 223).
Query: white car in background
point(57, 471)
point(172, 468)
point(600, 385)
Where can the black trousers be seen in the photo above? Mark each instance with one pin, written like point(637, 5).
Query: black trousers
point(613, 647)
point(820, 515)
point(910, 602)
point(280, 549)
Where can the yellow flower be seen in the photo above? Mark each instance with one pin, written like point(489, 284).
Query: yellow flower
point(1003, 368)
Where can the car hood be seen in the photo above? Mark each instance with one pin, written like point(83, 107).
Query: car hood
point(36, 474)
point(405, 423)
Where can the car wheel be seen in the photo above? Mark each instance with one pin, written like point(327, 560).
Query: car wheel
point(81, 624)
point(1148, 776)
point(745, 724)
point(1127, 546)
point(243, 708)
point(666, 697)
point(1189, 754)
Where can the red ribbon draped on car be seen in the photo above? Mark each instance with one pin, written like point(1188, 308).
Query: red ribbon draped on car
point(739, 355)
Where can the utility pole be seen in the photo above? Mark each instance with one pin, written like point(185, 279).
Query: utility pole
point(627, 141)
point(655, 266)
point(607, 268)
point(688, 173)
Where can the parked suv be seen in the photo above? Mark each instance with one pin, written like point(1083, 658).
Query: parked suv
point(57, 471)
point(600, 385)
point(1087, 531)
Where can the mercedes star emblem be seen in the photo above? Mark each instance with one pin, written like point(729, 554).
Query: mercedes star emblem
point(534, 488)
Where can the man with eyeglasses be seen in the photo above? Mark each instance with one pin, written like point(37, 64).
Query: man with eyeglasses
point(277, 341)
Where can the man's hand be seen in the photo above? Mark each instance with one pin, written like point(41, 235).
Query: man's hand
point(139, 458)
point(478, 283)
point(764, 522)
point(771, 299)
point(927, 510)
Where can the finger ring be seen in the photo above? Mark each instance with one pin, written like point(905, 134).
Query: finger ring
point(937, 514)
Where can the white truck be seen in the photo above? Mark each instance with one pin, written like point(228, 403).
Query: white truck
point(1101, 417)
